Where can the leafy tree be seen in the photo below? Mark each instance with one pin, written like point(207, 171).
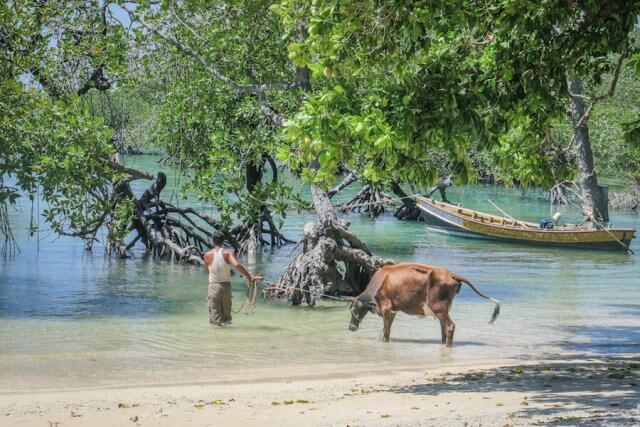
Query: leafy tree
point(406, 77)
point(395, 79)
point(51, 143)
point(243, 85)
point(218, 119)
point(550, 51)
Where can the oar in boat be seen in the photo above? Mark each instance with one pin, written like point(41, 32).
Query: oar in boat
point(508, 216)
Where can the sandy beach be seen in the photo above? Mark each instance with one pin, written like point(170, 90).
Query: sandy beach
point(568, 392)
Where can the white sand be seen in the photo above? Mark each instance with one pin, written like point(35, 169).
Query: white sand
point(567, 392)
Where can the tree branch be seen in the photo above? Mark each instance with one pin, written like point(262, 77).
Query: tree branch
point(130, 171)
point(175, 42)
point(605, 96)
point(614, 81)
point(349, 179)
point(588, 17)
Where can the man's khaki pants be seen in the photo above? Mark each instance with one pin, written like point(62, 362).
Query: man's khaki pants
point(219, 302)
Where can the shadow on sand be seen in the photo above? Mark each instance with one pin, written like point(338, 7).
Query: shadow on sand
point(606, 391)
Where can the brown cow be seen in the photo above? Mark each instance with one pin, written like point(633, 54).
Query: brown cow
point(415, 289)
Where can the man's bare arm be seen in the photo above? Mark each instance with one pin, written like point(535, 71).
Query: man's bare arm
point(207, 261)
point(231, 259)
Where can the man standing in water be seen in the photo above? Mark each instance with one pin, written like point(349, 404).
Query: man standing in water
point(218, 262)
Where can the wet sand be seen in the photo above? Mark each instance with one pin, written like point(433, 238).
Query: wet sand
point(563, 392)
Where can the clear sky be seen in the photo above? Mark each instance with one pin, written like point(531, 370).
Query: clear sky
point(120, 14)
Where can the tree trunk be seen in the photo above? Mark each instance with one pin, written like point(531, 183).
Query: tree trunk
point(409, 209)
point(251, 235)
point(595, 198)
point(333, 260)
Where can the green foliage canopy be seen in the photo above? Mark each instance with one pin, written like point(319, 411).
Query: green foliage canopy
point(215, 129)
point(401, 79)
point(51, 144)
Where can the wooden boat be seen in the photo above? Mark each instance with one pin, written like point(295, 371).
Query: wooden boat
point(470, 223)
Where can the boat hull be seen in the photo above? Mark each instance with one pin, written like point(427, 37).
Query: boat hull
point(444, 217)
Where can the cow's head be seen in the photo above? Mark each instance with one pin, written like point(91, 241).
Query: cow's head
point(359, 309)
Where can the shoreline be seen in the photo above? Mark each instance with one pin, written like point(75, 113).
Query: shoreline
point(327, 372)
point(497, 393)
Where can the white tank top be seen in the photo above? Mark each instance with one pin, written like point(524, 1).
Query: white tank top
point(219, 270)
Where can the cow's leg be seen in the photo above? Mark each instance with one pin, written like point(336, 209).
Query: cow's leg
point(388, 320)
point(446, 324)
point(443, 331)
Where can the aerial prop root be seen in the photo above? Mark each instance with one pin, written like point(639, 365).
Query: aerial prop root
point(333, 261)
point(370, 200)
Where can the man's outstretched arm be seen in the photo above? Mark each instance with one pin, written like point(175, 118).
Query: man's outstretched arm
point(231, 259)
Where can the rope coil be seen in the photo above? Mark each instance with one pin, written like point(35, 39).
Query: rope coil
point(250, 300)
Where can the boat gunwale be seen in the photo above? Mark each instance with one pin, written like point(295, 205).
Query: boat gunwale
point(452, 209)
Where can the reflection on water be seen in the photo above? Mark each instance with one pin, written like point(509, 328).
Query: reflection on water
point(68, 318)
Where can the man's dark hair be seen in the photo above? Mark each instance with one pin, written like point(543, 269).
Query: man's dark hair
point(217, 239)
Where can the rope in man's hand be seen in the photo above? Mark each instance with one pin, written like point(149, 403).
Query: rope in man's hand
point(250, 300)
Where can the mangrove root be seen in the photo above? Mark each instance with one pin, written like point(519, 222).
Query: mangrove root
point(333, 261)
point(370, 200)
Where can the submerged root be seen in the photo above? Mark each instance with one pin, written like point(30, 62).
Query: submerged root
point(9, 245)
point(184, 234)
point(253, 237)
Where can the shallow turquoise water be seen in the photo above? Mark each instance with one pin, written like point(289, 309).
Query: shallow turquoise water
point(70, 318)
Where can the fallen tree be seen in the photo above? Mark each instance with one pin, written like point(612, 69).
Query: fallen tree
point(165, 230)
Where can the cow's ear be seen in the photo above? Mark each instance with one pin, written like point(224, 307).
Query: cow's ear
point(372, 306)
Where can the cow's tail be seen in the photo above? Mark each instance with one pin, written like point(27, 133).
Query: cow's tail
point(496, 310)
